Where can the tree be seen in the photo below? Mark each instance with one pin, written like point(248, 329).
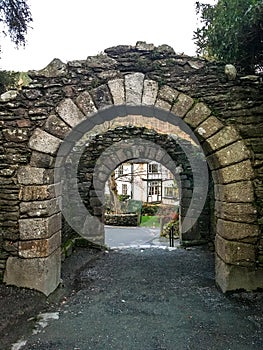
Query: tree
point(232, 32)
point(10, 80)
point(15, 16)
point(114, 193)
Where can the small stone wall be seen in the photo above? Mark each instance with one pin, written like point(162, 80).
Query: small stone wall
point(122, 219)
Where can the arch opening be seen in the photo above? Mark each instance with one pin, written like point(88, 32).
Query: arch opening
point(224, 150)
point(141, 204)
point(215, 158)
point(102, 150)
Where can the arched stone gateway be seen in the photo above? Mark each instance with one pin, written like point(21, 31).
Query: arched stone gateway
point(144, 88)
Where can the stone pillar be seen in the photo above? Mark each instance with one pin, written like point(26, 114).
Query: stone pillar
point(42, 274)
point(37, 265)
point(233, 277)
point(236, 264)
point(186, 197)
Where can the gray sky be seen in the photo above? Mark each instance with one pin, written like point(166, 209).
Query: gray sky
point(70, 32)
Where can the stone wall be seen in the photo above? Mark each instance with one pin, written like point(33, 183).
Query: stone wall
point(122, 219)
point(226, 116)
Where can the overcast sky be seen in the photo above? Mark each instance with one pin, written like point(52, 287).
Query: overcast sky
point(72, 30)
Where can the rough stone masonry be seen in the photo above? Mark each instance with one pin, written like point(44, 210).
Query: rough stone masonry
point(225, 115)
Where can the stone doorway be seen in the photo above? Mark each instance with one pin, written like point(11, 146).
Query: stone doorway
point(131, 143)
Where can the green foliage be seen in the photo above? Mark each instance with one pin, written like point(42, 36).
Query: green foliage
point(150, 209)
point(12, 80)
point(15, 16)
point(167, 228)
point(150, 221)
point(7, 81)
point(232, 32)
point(123, 197)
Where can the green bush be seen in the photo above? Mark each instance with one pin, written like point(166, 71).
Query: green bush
point(123, 197)
point(166, 229)
point(231, 31)
point(149, 209)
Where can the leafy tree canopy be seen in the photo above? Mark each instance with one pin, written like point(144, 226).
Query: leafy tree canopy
point(232, 31)
point(15, 17)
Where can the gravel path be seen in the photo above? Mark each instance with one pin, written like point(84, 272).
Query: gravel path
point(152, 299)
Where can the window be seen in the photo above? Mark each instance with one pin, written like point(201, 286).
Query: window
point(119, 170)
point(153, 168)
point(154, 188)
point(124, 189)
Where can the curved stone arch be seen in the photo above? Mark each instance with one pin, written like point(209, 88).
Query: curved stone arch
point(198, 164)
point(223, 142)
point(114, 155)
point(226, 153)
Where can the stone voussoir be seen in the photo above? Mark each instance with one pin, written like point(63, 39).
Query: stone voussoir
point(241, 191)
point(198, 114)
point(209, 127)
point(246, 233)
point(70, 113)
point(39, 248)
point(222, 138)
point(234, 153)
point(233, 173)
point(182, 105)
point(44, 142)
point(41, 160)
point(150, 91)
point(134, 88)
point(239, 212)
point(117, 90)
point(85, 103)
point(57, 127)
point(28, 175)
point(40, 208)
point(101, 97)
point(168, 94)
point(39, 228)
point(235, 253)
point(163, 104)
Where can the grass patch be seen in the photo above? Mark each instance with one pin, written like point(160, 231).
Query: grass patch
point(150, 221)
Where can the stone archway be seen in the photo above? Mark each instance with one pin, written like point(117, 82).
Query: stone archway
point(105, 152)
point(37, 263)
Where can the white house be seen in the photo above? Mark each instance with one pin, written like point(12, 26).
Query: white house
point(147, 182)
